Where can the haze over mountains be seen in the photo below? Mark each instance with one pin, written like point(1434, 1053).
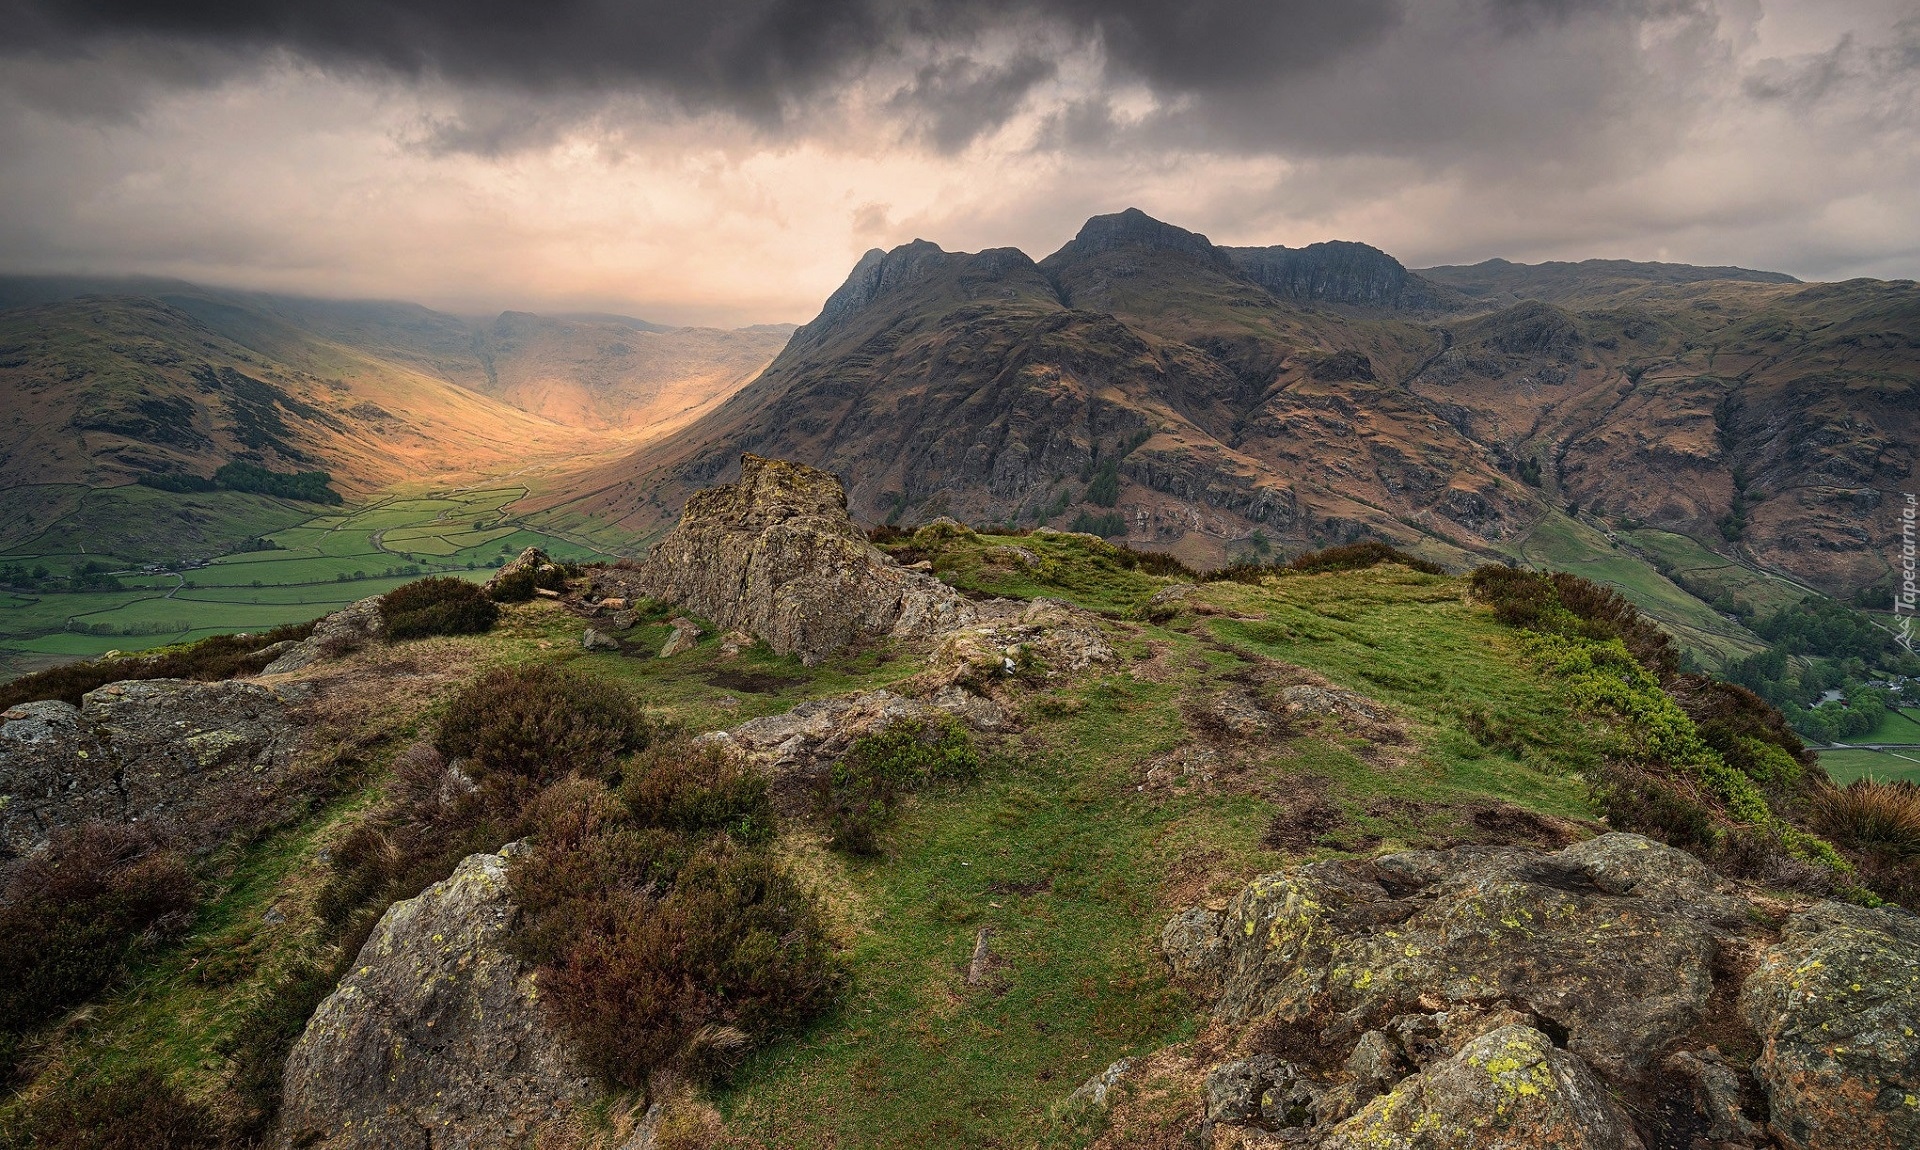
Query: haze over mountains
point(114, 379)
point(1238, 397)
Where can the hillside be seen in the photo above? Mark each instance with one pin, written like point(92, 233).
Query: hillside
point(160, 376)
point(1030, 874)
point(1229, 403)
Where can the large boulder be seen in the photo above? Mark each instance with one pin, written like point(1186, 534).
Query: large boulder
point(350, 627)
point(1510, 1089)
point(1837, 1006)
point(776, 555)
point(1612, 940)
point(193, 759)
point(435, 1039)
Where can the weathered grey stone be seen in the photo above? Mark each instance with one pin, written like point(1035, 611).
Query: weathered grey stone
point(598, 640)
point(197, 759)
point(1510, 1089)
point(999, 638)
point(1716, 1095)
point(338, 633)
point(1264, 1091)
point(1192, 944)
point(776, 554)
point(685, 637)
point(1624, 975)
point(435, 1038)
point(796, 748)
point(1092, 1094)
point(1837, 1006)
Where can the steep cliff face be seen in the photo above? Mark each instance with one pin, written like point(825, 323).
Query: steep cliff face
point(1342, 272)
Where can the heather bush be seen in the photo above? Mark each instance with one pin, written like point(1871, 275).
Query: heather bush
point(531, 725)
point(1359, 557)
point(678, 786)
point(141, 1111)
point(74, 913)
point(436, 605)
point(665, 934)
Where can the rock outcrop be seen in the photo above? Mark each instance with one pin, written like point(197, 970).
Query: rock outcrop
point(1508, 997)
point(531, 561)
point(776, 555)
point(193, 759)
point(338, 633)
point(1511, 1089)
point(797, 748)
point(1837, 1006)
point(434, 1040)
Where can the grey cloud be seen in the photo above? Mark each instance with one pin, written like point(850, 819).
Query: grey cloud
point(951, 102)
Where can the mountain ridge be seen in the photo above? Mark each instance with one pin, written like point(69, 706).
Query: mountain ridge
point(1231, 415)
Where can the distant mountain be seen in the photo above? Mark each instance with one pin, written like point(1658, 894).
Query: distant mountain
point(112, 379)
point(1589, 281)
point(1211, 401)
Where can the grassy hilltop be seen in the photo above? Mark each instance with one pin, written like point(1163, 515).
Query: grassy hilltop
point(1163, 780)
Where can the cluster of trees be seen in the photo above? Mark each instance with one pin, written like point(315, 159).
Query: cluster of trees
point(89, 576)
point(306, 486)
point(1818, 646)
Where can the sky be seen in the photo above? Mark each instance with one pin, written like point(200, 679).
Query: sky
point(726, 162)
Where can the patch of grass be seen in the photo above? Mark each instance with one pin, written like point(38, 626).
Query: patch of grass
point(865, 787)
point(1871, 815)
point(1845, 766)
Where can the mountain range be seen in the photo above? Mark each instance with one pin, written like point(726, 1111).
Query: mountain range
point(1217, 402)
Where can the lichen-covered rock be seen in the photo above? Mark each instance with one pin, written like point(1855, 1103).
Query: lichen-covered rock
point(797, 748)
point(1624, 975)
point(1837, 1006)
point(1266, 1092)
point(686, 636)
point(1039, 638)
point(194, 759)
point(776, 554)
point(1510, 1089)
point(435, 1038)
point(598, 640)
point(338, 633)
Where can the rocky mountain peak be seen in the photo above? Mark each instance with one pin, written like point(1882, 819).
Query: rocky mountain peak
point(878, 273)
point(1134, 228)
point(1339, 271)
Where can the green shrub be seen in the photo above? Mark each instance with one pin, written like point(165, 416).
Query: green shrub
point(215, 657)
point(536, 723)
point(73, 914)
point(142, 1111)
point(862, 790)
point(678, 786)
point(436, 605)
point(1359, 557)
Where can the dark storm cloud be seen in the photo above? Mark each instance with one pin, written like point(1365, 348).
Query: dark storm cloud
point(750, 57)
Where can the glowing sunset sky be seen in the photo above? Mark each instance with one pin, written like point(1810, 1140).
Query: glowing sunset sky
point(727, 161)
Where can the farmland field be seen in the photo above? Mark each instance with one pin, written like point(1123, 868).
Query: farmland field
point(313, 564)
point(1888, 766)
